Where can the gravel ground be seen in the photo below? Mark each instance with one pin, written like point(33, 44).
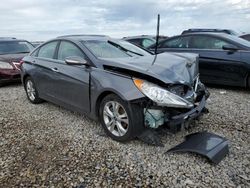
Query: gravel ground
point(47, 146)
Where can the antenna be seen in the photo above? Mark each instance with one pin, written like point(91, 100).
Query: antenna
point(157, 33)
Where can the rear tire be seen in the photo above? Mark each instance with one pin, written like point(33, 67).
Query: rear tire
point(31, 91)
point(121, 120)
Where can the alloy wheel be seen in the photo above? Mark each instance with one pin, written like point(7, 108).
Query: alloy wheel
point(31, 90)
point(115, 118)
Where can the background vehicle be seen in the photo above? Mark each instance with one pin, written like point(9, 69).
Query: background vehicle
point(12, 50)
point(226, 31)
point(125, 87)
point(224, 59)
point(143, 40)
point(36, 43)
point(246, 37)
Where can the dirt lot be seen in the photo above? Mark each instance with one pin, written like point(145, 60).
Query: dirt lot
point(47, 146)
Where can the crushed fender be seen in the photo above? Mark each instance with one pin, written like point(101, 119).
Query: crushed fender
point(210, 145)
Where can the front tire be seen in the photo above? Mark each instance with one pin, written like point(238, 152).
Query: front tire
point(121, 121)
point(31, 91)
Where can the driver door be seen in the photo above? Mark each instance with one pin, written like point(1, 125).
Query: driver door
point(72, 81)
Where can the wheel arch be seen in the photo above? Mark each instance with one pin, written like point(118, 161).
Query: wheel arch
point(101, 96)
point(24, 78)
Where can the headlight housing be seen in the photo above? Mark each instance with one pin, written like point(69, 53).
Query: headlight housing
point(5, 65)
point(160, 95)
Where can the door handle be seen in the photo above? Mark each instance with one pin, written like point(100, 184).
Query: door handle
point(55, 69)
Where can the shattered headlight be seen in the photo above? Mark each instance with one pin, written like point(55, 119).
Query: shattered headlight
point(5, 65)
point(160, 95)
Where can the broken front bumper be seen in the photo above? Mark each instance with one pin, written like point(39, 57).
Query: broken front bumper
point(210, 145)
point(157, 117)
point(192, 114)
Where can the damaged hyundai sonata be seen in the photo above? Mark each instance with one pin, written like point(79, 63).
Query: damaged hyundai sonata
point(129, 90)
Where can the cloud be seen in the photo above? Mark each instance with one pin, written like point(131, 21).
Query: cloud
point(42, 20)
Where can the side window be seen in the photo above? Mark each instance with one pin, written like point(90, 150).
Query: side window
point(135, 41)
point(68, 49)
point(207, 42)
point(47, 50)
point(180, 42)
point(147, 42)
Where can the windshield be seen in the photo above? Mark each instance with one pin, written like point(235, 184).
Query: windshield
point(15, 47)
point(113, 49)
point(131, 47)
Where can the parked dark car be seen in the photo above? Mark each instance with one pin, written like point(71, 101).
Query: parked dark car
point(224, 59)
point(226, 31)
point(143, 41)
point(12, 50)
point(125, 87)
point(246, 37)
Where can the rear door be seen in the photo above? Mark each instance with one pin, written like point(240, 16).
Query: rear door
point(43, 73)
point(72, 81)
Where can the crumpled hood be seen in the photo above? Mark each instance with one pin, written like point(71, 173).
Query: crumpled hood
point(12, 57)
point(170, 68)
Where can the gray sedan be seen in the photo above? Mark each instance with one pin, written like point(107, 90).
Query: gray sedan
point(127, 89)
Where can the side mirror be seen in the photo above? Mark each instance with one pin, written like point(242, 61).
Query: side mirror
point(230, 47)
point(74, 60)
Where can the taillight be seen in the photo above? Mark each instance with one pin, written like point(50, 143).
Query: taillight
point(18, 65)
point(21, 62)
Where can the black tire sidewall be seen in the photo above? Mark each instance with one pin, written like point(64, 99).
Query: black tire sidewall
point(135, 117)
point(248, 82)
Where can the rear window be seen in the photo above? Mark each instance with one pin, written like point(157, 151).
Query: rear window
point(15, 47)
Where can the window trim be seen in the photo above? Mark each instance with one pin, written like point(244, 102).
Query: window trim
point(65, 40)
point(44, 58)
point(56, 55)
point(191, 36)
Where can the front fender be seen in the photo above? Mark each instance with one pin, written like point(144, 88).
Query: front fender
point(102, 81)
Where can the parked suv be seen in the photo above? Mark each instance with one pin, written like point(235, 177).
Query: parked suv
point(12, 50)
point(223, 59)
point(246, 37)
point(226, 31)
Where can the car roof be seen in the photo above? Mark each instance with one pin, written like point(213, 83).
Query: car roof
point(207, 30)
point(10, 39)
point(139, 36)
point(205, 33)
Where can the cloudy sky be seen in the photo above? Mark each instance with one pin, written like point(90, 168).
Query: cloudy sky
point(45, 19)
